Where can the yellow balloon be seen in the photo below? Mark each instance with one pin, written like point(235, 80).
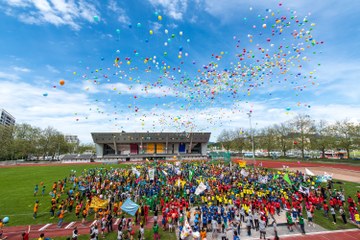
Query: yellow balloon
point(159, 17)
point(151, 32)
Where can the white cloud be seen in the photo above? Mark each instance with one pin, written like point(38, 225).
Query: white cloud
point(172, 8)
point(139, 90)
point(120, 12)
point(52, 69)
point(155, 26)
point(339, 79)
point(56, 12)
point(21, 69)
point(8, 76)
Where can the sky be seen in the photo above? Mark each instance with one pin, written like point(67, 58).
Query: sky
point(177, 65)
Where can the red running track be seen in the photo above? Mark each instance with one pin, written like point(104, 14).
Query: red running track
point(14, 232)
point(279, 164)
point(339, 235)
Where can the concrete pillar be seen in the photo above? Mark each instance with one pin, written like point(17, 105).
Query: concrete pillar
point(99, 150)
point(203, 149)
point(176, 148)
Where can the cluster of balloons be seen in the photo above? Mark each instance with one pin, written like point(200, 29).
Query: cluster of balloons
point(274, 54)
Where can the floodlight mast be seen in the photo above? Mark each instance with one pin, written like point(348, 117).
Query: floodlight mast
point(252, 138)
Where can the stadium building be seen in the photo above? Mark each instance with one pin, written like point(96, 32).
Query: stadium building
point(151, 145)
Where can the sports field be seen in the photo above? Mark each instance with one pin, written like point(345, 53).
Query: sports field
point(17, 194)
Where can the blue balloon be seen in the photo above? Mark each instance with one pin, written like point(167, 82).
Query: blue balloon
point(5, 219)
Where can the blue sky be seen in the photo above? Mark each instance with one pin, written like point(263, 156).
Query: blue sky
point(190, 65)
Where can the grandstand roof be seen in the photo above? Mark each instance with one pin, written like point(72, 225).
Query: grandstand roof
point(150, 137)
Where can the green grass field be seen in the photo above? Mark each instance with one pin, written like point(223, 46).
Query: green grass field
point(17, 189)
point(350, 190)
point(17, 200)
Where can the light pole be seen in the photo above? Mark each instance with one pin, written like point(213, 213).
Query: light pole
point(252, 138)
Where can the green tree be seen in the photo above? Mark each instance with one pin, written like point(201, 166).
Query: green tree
point(347, 135)
point(26, 138)
point(6, 142)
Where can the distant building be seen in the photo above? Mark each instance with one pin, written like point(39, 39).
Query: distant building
point(6, 118)
point(72, 139)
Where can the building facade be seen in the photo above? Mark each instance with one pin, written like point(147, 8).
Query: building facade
point(153, 145)
point(6, 118)
point(72, 139)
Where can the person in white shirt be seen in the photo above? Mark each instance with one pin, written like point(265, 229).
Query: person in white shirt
point(262, 228)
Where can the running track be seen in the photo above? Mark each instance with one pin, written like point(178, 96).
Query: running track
point(353, 234)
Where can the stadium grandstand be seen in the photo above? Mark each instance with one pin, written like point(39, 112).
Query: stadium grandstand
point(136, 146)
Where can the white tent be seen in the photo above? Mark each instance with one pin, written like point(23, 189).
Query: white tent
point(308, 172)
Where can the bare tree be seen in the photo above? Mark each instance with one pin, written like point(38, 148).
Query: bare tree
point(282, 132)
point(303, 128)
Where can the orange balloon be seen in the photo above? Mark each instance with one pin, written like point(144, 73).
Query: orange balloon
point(62, 82)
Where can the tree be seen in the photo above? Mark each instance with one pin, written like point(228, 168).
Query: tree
point(347, 135)
point(282, 132)
point(86, 148)
point(6, 142)
point(267, 139)
point(323, 138)
point(225, 139)
point(303, 128)
point(26, 139)
point(238, 140)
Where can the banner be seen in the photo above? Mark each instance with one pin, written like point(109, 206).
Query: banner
point(151, 173)
point(97, 202)
point(263, 179)
point(200, 188)
point(129, 207)
point(244, 173)
point(135, 171)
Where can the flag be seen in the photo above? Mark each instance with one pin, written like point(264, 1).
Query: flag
point(242, 164)
point(151, 174)
point(97, 202)
point(287, 179)
point(135, 171)
point(308, 172)
point(200, 188)
point(186, 231)
point(304, 190)
point(276, 176)
point(244, 173)
point(263, 179)
point(129, 207)
point(191, 174)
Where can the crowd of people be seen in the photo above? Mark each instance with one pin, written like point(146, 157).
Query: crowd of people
point(231, 199)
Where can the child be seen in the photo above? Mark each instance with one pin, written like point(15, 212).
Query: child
point(36, 208)
point(36, 189)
